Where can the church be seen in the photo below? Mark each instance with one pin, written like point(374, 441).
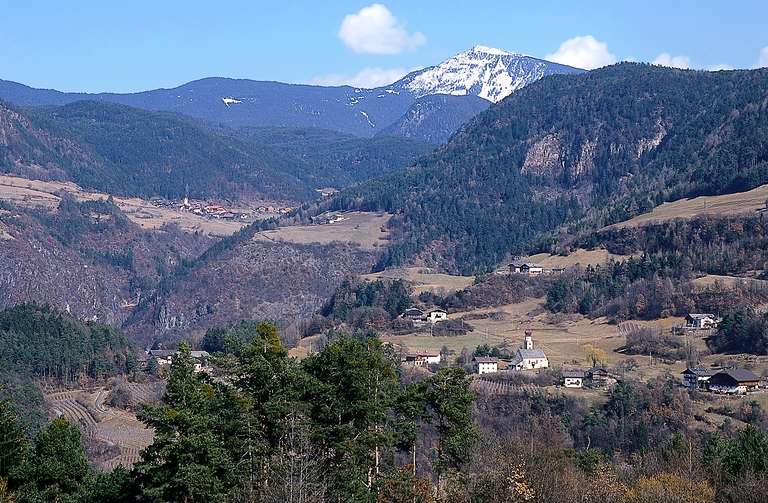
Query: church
point(528, 357)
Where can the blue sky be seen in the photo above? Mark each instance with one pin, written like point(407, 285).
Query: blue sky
point(128, 46)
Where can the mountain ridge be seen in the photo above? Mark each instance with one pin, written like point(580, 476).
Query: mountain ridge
point(359, 111)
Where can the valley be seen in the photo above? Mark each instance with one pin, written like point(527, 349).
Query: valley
point(496, 278)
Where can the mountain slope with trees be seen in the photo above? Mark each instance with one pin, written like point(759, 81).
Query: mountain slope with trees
point(435, 117)
point(327, 158)
point(142, 153)
point(594, 148)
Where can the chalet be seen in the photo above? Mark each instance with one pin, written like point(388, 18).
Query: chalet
point(413, 314)
point(697, 378)
point(528, 357)
point(423, 359)
point(700, 321)
point(486, 364)
point(530, 268)
point(733, 382)
point(436, 315)
point(573, 378)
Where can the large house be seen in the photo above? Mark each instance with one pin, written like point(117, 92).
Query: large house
point(486, 364)
point(573, 378)
point(422, 359)
point(522, 267)
point(697, 378)
point(733, 382)
point(528, 357)
point(700, 321)
point(436, 315)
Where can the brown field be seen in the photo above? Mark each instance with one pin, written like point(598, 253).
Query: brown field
point(40, 194)
point(364, 229)
point(728, 204)
point(578, 257)
point(728, 281)
point(424, 279)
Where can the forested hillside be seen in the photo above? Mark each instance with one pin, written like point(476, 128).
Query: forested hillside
point(135, 152)
point(434, 118)
point(326, 158)
point(41, 342)
point(593, 148)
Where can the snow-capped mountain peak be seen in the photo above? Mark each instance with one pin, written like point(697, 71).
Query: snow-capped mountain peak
point(492, 74)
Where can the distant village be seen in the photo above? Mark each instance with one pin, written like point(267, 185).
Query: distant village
point(212, 211)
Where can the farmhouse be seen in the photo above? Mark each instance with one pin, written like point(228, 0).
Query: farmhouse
point(486, 364)
point(413, 314)
point(573, 378)
point(697, 378)
point(733, 382)
point(521, 267)
point(422, 359)
point(528, 357)
point(436, 315)
point(700, 321)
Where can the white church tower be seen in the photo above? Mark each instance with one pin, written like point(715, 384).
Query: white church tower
point(528, 342)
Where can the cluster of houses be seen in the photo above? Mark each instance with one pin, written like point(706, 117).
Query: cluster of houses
point(725, 381)
point(422, 359)
point(529, 268)
point(328, 218)
point(418, 316)
point(217, 211)
point(164, 358)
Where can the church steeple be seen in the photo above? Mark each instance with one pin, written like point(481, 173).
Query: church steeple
point(528, 342)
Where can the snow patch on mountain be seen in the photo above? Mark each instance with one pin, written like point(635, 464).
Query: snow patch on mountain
point(492, 74)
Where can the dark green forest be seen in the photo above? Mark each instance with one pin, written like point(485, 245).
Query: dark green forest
point(331, 159)
point(137, 152)
point(588, 149)
point(43, 343)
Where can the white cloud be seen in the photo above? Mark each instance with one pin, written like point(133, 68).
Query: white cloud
point(583, 52)
point(762, 59)
point(374, 30)
point(666, 59)
point(366, 78)
point(717, 68)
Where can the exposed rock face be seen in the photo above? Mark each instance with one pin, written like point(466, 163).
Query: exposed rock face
point(544, 156)
point(648, 144)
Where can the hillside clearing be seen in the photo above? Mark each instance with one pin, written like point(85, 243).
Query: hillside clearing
point(578, 257)
point(424, 279)
point(365, 229)
point(727, 204)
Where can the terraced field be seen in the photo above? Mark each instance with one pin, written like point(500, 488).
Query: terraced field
point(101, 422)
